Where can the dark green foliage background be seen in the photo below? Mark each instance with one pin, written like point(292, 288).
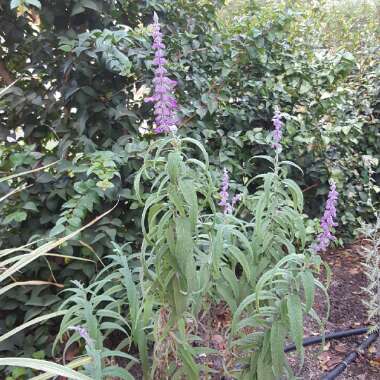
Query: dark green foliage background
point(77, 83)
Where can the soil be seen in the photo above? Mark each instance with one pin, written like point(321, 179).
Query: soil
point(347, 311)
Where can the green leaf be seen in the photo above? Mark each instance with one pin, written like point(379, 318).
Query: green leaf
point(211, 102)
point(277, 342)
point(15, 4)
point(117, 372)
point(241, 258)
point(58, 229)
point(190, 195)
point(45, 366)
point(296, 320)
point(73, 364)
point(30, 206)
point(232, 281)
point(184, 247)
point(296, 194)
point(309, 289)
point(174, 166)
point(17, 216)
point(36, 3)
point(305, 87)
point(77, 9)
point(65, 48)
point(90, 4)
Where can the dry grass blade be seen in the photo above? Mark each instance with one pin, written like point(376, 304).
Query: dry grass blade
point(42, 365)
point(74, 364)
point(45, 248)
point(7, 178)
point(5, 89)
point(27, 283)
point(14, 191)
point(30, 323)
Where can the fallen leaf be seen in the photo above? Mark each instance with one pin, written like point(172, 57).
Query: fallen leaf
point(326, 347)
point(340, 348)
point(334, 361)
point(375, 363)
point(327, 361)
point(372, 350)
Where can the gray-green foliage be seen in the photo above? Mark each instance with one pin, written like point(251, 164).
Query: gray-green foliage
point(276, 283)
point(255, 260)
point(372, 271)
point(175, 272)
point(100, 309)
point(182, 250)
point(79, 79)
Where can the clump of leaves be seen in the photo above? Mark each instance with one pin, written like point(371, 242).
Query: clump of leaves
point(372, 271)
point(174, 270)
point(96, 311)
point(267, 274)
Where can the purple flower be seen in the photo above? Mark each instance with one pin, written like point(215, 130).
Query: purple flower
point(228, 207)
point(164, 102)
point(235, 199)
point(277, 133)
point(82, 331)
point(327, 221)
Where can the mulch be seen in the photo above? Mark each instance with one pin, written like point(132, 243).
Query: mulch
point(347, 311)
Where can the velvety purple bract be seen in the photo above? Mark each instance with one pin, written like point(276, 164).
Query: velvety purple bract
point(228, 207)
point(164, 102)
point(83, 333)
point(327, 221)
point(277, 134)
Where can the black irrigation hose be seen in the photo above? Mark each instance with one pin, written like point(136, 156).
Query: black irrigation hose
point(334, 335)
point(336, 371)
point(337, 335)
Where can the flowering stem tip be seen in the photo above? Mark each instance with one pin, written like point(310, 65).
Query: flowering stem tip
point(327, 221)
point(165, 104)
point(228, 207)
point(277, 133)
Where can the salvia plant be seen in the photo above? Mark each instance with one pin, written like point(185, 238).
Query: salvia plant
point(92, 313)
point(371, 249)
point(203, 244)
point(258, 265)
point(372, 271)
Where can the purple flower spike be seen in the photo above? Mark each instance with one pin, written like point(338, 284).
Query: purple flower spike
point(224, 191)
point(327, 221)
point(235, 199)
point(228, 207)
point(83, 333)
point(165, 104)
point(277, 134)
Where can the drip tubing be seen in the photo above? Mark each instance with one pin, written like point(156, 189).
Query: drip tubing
point(337, 370)
point(335, 335)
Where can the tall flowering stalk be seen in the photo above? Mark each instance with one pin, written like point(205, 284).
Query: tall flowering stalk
point(327, 221)
point(277, 134)
point(228, 207)
point(165, 104)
